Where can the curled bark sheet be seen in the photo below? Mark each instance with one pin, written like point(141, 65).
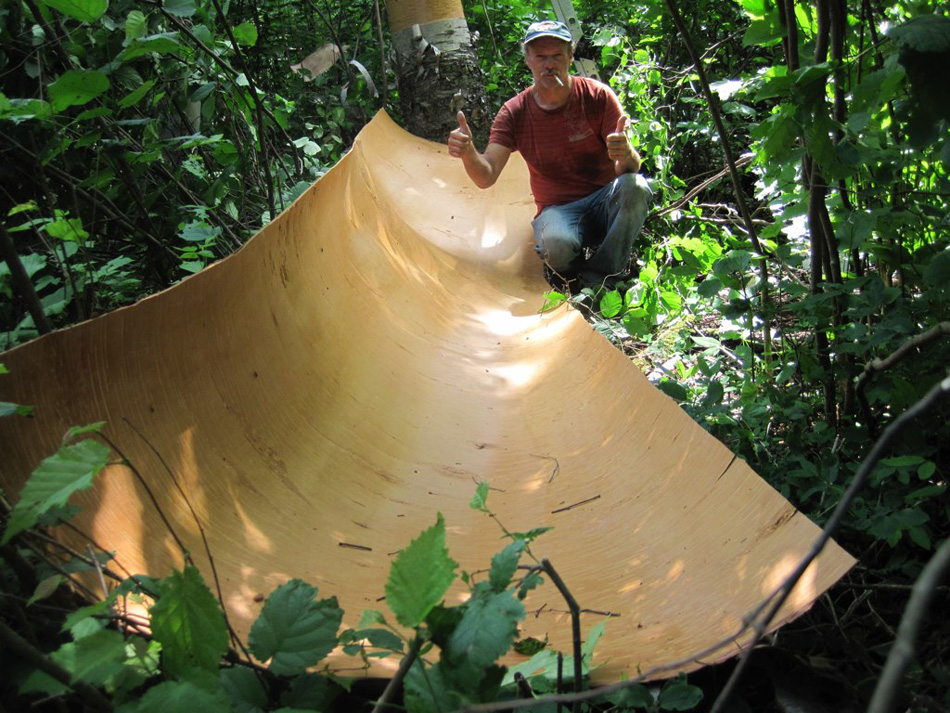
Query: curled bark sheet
point(356, 368)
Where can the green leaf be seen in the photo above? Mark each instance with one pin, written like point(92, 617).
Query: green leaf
point(293, 630)
point(611, 304)
point(188, 623)
point(135, 96)
point(244, 688)
point(679, 696)
point(311, 692)
point(924, 33)
point(82, 10)
point(67, 471)
point(420, 576)
point(429, 690)
point(179, 8)
point(9, 409)
point(673, 389)
point(487, 629)
point(183, 697)
point(732, 261)
point(163, 43)
point(504, 565)
point(479, 499)
point(634, 696)
point(136, 25)
point(46, 588)
point(93, 658)
point(77, 87)
point(75, 431)
point(246, 34)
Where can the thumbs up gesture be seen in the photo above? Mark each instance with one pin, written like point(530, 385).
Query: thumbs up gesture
point(619, 150)
point(460, 140)
point(618, 146)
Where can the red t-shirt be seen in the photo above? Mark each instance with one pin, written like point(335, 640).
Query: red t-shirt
point(565, 149)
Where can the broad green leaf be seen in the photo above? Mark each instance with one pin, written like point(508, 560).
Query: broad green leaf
point(86, 620)
point(163, 43)
point(244, 688)
point(82, 10)
point(924, 33)
point(93, 658)
point(46, 588)
point(634, 696)
point(67, 471)
point(67, 229)
point(679, 696)
point(179, 8)
point(188, 623)
point(294, 631)
point(136, 25)
point(733, 261)
point(504, 565)
point(77, 87)
point(246, 34)
point(420, 576)
point(429, 690)
point(488, 627)
point(135, 96)
point(611, 304)
point(183, 697)
point(937, 273)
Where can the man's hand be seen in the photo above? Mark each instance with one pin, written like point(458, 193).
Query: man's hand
point(619, 150)
point(460, 140)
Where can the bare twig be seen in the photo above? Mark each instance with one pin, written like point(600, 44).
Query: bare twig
point(902, 651)
point(396, 681)
point(16, 647)
point(877, 365)
point(575, 624)
point(201, 531)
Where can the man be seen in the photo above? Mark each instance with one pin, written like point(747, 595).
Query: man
point(571, 131)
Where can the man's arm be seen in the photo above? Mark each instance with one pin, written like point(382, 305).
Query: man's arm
point(624, 156)
point(482, 168)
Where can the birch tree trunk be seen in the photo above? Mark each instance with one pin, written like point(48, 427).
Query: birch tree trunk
point(436, 68)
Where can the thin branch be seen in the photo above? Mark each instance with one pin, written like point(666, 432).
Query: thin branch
point(17, 648)
point(877, 365)
point(22, 282)
point(201, 530)
point(575, 624)
point(396, 681)
point(902, 652)
point(720, 127)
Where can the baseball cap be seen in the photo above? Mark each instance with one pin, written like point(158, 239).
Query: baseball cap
point(547, 28)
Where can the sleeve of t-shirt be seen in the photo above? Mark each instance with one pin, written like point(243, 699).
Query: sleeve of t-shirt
point(503, 130)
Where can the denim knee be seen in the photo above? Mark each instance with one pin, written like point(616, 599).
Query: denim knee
point(557, 251)
point(632, 188)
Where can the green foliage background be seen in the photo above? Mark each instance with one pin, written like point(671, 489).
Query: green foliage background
point(142, 140)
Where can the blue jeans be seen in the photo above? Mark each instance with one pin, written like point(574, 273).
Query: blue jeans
point(607, 222)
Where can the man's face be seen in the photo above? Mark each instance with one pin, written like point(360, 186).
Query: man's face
point(548, 57)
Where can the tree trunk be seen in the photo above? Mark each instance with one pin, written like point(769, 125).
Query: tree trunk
point(436, 68)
